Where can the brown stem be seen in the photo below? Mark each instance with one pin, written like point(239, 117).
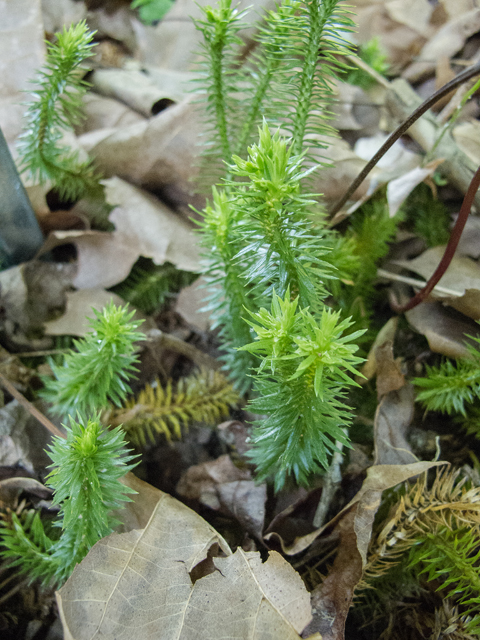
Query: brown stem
point(402, 128)
point(449, 249)
point(29, 407)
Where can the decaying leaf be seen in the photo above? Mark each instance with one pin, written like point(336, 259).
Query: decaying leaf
point(168, 581)
point(446, 42)
point(190, 302)
point(445, 329)
point(22, 51)
point(386, 333)
point(143, 227)
point(331, 600)
point(74, 322)
point(399, 189)
point(392, 420)
point(461, 281)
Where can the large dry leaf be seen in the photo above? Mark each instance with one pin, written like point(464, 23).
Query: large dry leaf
point(445, 329)
point(74, 321)
point(446, 42)
point(103, 113)
point(332, 598)
point(143, 227)
point(22, 51)
point(160, 582)
point(392, 420)
point(157, 153)
point(461, 281)
point(415, 14)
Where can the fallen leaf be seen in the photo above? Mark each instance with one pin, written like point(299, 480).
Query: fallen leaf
point(31, 294)
point(467, 136)
point(415, 14)
point(386, 333)
point(189, 305)
point(157, 153)
point(62, 13)
point(245, 500)
point(133, 88)
point(165, 581)
point(389, 372)
point(331, 600)
point(22, 51)
point(460, 283)
point(103, 113)
point(448, 41)
point(392, 419)
point(399, 189)
point(445, 329)
point(74, 322)
point(143, 227)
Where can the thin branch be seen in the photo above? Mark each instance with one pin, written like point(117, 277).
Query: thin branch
point(449, 249)
point(402, 128)
point(8, 386)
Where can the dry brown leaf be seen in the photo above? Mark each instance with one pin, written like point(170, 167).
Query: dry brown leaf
point(392, 419)
point(174, 43)
point(415, 14)
point(389, 371)
point(131, 87)
point(221, 485)
point(399, 189)
point(445, 329)
point(157, 153)
point(467, 136)
point(331, 600)
point(103, 113)
point(62, 13)
point(190, 303)
point(460, 283)
point(143, 227)
point(74, 322)
point(386, 333)
point(446, 42)
point(22, 51)
point(165, 582)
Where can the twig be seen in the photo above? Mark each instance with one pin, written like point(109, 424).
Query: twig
point(8, 386)
point(449, 249)
point(402, 128)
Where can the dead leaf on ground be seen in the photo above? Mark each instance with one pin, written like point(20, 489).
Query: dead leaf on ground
point(332, 599)
point(445, 329)
point(399, 189)
point(31, 294)
point(386, 333)
point(158, 153)
point(167, 581)
point(467, 136)
point(190, 302)
point(446, 42)
point(389, 371)
point(74, 322)
point(143, 227)
point(392, 420)
point(461, 281)
point(103, 113)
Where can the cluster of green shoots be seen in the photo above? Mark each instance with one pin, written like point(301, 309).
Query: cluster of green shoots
point(87, 465)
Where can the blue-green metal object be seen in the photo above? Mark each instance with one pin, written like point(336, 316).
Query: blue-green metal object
point(20, 235)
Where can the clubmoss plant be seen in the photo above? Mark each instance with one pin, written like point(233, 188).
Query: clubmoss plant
point(55, 109)
point(87, 465)
point(269, 277)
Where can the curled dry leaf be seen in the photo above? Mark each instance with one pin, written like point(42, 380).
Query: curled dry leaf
point(143, 227)
point(331, 600)
point(158, 152)
point(167, 581)
point(399, 189)
point(386, 333)
point(445, 329)
point(22, 51)
point(103, 113)
point(74, 321)
point(392, 419)
point(446, 42)
point(461, 281)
